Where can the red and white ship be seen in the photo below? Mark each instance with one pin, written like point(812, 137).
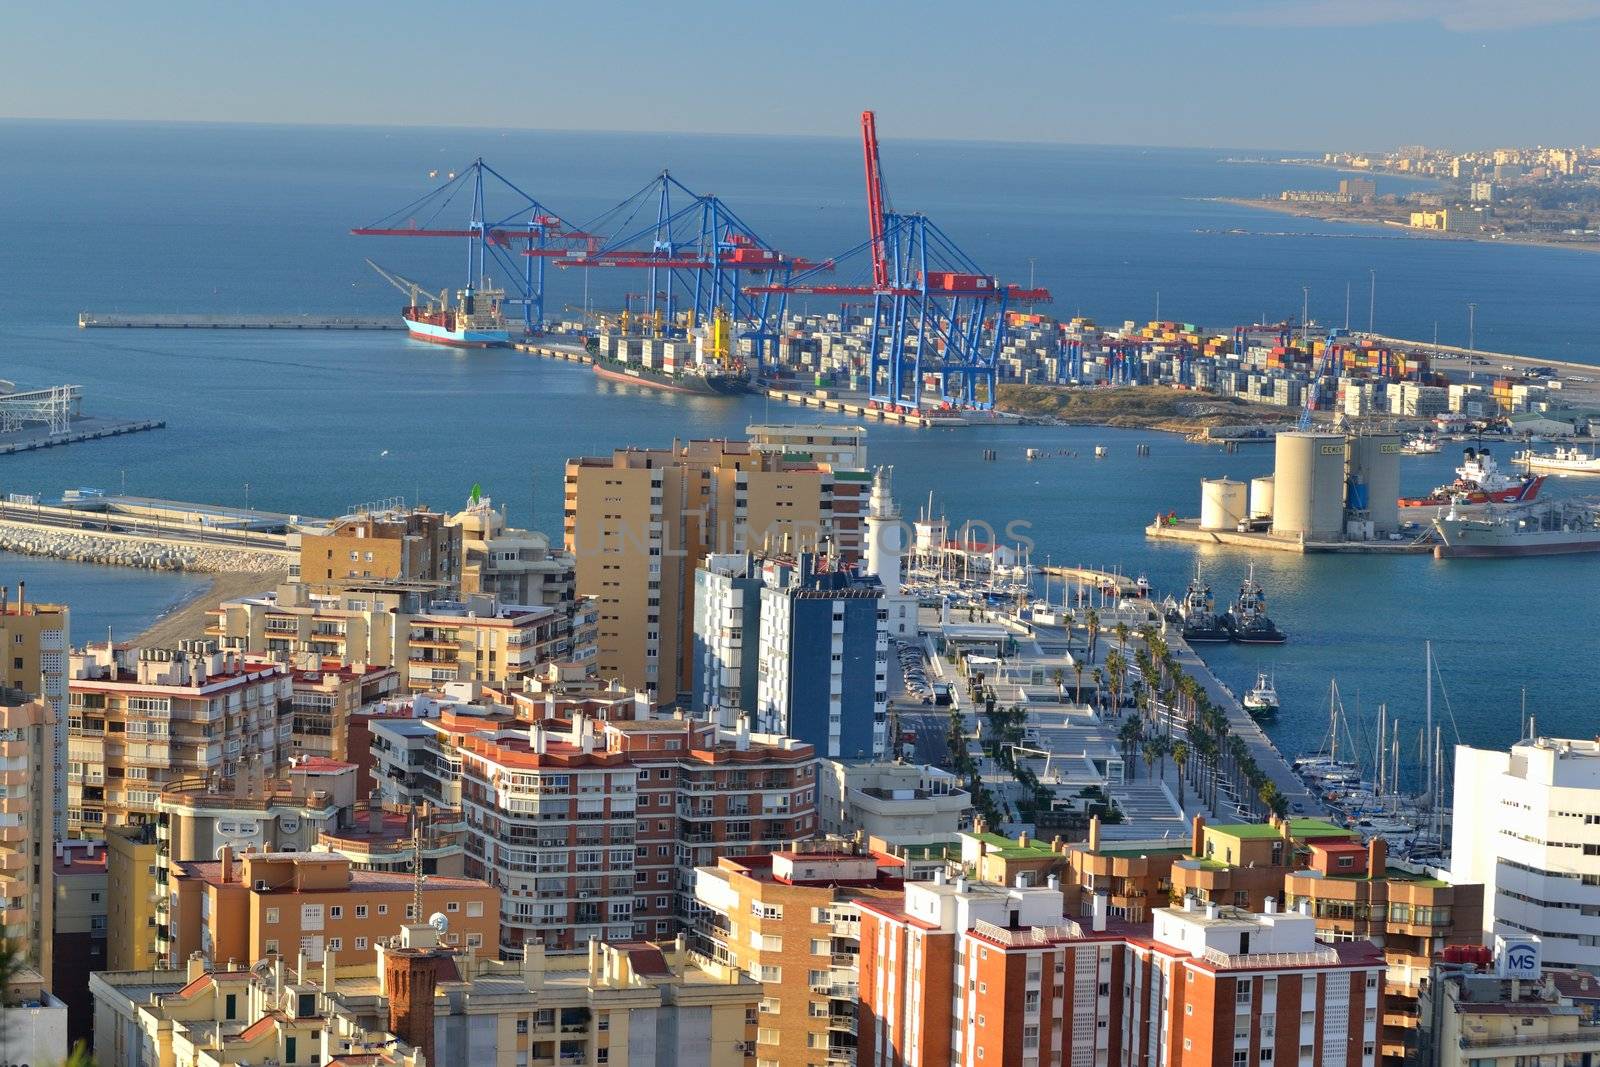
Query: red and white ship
point(474, 321)
point(1480, 485)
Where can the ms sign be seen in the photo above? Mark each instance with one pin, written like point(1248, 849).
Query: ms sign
point(1517, 957)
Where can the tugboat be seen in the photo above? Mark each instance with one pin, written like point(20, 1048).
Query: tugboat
point(1262, 701)
point(1198, 612)
point(1247, 621)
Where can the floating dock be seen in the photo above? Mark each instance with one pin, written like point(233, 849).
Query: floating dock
point(90, 320)
point(1189, 530)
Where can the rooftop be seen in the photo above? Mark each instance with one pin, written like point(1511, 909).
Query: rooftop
point(1298, 829)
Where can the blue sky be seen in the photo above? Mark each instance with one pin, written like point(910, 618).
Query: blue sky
point(1273, 73)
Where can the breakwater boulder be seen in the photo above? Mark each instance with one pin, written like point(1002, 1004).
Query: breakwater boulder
point(132, 550)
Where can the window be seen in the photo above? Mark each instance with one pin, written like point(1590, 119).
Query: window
point(336, 911)
point(272, 947)
point(361, 944)
point(335, 943)
point(361, 911)
point(1241, 1058)
point(452, 905)
point(383, 909)
point(272, 916)
point(231, 1008)
point(474, 909)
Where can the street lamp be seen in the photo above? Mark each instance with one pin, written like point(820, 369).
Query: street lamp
point(1472, 326)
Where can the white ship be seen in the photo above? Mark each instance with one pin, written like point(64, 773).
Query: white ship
point(1561, 461)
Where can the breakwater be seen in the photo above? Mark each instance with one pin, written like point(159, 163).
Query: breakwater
point(136, 550)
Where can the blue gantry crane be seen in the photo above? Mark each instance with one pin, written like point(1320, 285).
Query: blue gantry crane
point(505, 228)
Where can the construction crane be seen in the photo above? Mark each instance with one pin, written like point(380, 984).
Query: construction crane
point(415, 292)
point(505, 227)
point(1327, 368)
point(935, 311)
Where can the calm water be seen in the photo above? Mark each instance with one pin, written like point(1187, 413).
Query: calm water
point(254, 220)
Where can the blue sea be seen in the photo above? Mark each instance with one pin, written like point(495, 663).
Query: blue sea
point(254, 219)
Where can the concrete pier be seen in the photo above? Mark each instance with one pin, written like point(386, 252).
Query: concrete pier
point(1189, 530)
point(93, 320)
point(84, 428)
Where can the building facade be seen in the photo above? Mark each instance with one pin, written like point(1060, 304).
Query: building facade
point(37, 639)
point(382, 544)
point(1527, 828)
point(27, 828)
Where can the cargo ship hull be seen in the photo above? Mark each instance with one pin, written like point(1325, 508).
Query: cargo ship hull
point(441, 333)
point(1562, 531)
point(690, 384)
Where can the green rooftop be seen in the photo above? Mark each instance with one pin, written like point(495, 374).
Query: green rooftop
point(1298, 829)
point(932, 850)
point(1005, 848)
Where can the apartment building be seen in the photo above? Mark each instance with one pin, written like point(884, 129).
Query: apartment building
point(591, 827)
point(1198, 985)
point(1243, 865)
point(1353, 893)
point(430, 640)
point(641, 521)
point(386, 543)
point(35, 640)
point(1134, 877)
point(623, 1005)
point(143, 718)
point(325, 695)
point(78, 942)
point(791, 920)
point(514, 566)
point(889, 800)
point(1474, 1015)
point(131, 885)
point(27, 828)
point(1527, 828)
point(257, 904)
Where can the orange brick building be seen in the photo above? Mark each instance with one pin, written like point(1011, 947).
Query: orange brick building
point(245, 908)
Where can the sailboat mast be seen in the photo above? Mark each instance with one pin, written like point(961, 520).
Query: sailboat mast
point(1428, 713)
point(1383, 710)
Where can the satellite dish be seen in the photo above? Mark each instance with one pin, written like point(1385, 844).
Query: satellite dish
point(439, 921)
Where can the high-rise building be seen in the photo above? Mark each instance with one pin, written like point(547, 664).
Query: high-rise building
point(791, 921)
point(591, 828)
point(1197, 986)
point(27, 828)
point(823, 663)
point(727, 628)
point(387, 544)
point(37, 639)
point(641, 521)
point(79, 941)
point(1526, 826)
point(131, 897)
point(141, 718)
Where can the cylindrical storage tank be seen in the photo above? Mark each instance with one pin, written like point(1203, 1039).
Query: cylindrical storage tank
point(1261, 497)
point(1308, 485)
point(1223, 503)
point(1372, 463)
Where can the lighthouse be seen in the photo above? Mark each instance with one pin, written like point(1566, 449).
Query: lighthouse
point(884, 534)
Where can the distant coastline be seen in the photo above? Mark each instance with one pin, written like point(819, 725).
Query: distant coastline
point(1310, 211)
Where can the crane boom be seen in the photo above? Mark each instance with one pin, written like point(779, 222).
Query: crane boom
point(414, 291)
point(875, 200)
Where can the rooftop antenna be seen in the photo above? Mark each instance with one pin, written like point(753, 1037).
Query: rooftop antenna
point(417, 814)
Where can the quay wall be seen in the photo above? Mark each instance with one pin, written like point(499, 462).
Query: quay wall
point(137, 550)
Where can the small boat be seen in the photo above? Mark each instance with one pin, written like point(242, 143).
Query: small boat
point(1100, 451)
point(1420, 445)
point(1032, 453)
point(1198, 613)
point(1247, 621)
point(1262, 701)
point(1479, 482)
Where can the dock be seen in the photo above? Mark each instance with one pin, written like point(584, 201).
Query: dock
point(85, 428)
point(91, 320)
point(1189, 530)
point(857, 406)
point(567, 353)
point(1124, 585)
point(1268, 759)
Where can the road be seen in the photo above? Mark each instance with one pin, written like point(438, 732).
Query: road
point(96, 522)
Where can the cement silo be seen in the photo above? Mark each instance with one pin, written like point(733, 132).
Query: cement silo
point(1223, 503)
point(1308, 485)
point(1261, 497)
point(1372, 480)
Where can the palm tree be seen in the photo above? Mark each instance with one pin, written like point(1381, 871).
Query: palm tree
point(1122, 632)
point(1148, 748)
point(1077, 693)
point(1180, 757)
point(1099, 685)
point(1059, 677)
point(1093, 626)
point(1117, 668)
point(1129, 736)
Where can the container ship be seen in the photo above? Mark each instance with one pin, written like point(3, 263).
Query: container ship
point(1546, 530)
point(1561, 461)
point(702, 366)
point(474, 322)
point(1480, 484)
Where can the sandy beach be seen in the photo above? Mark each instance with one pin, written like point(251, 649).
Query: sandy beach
point(188, 619)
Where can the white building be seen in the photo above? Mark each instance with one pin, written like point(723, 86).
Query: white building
point(889, 800)
point(1527, 826)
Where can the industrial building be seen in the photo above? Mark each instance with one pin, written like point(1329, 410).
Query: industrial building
point(1327, 491)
